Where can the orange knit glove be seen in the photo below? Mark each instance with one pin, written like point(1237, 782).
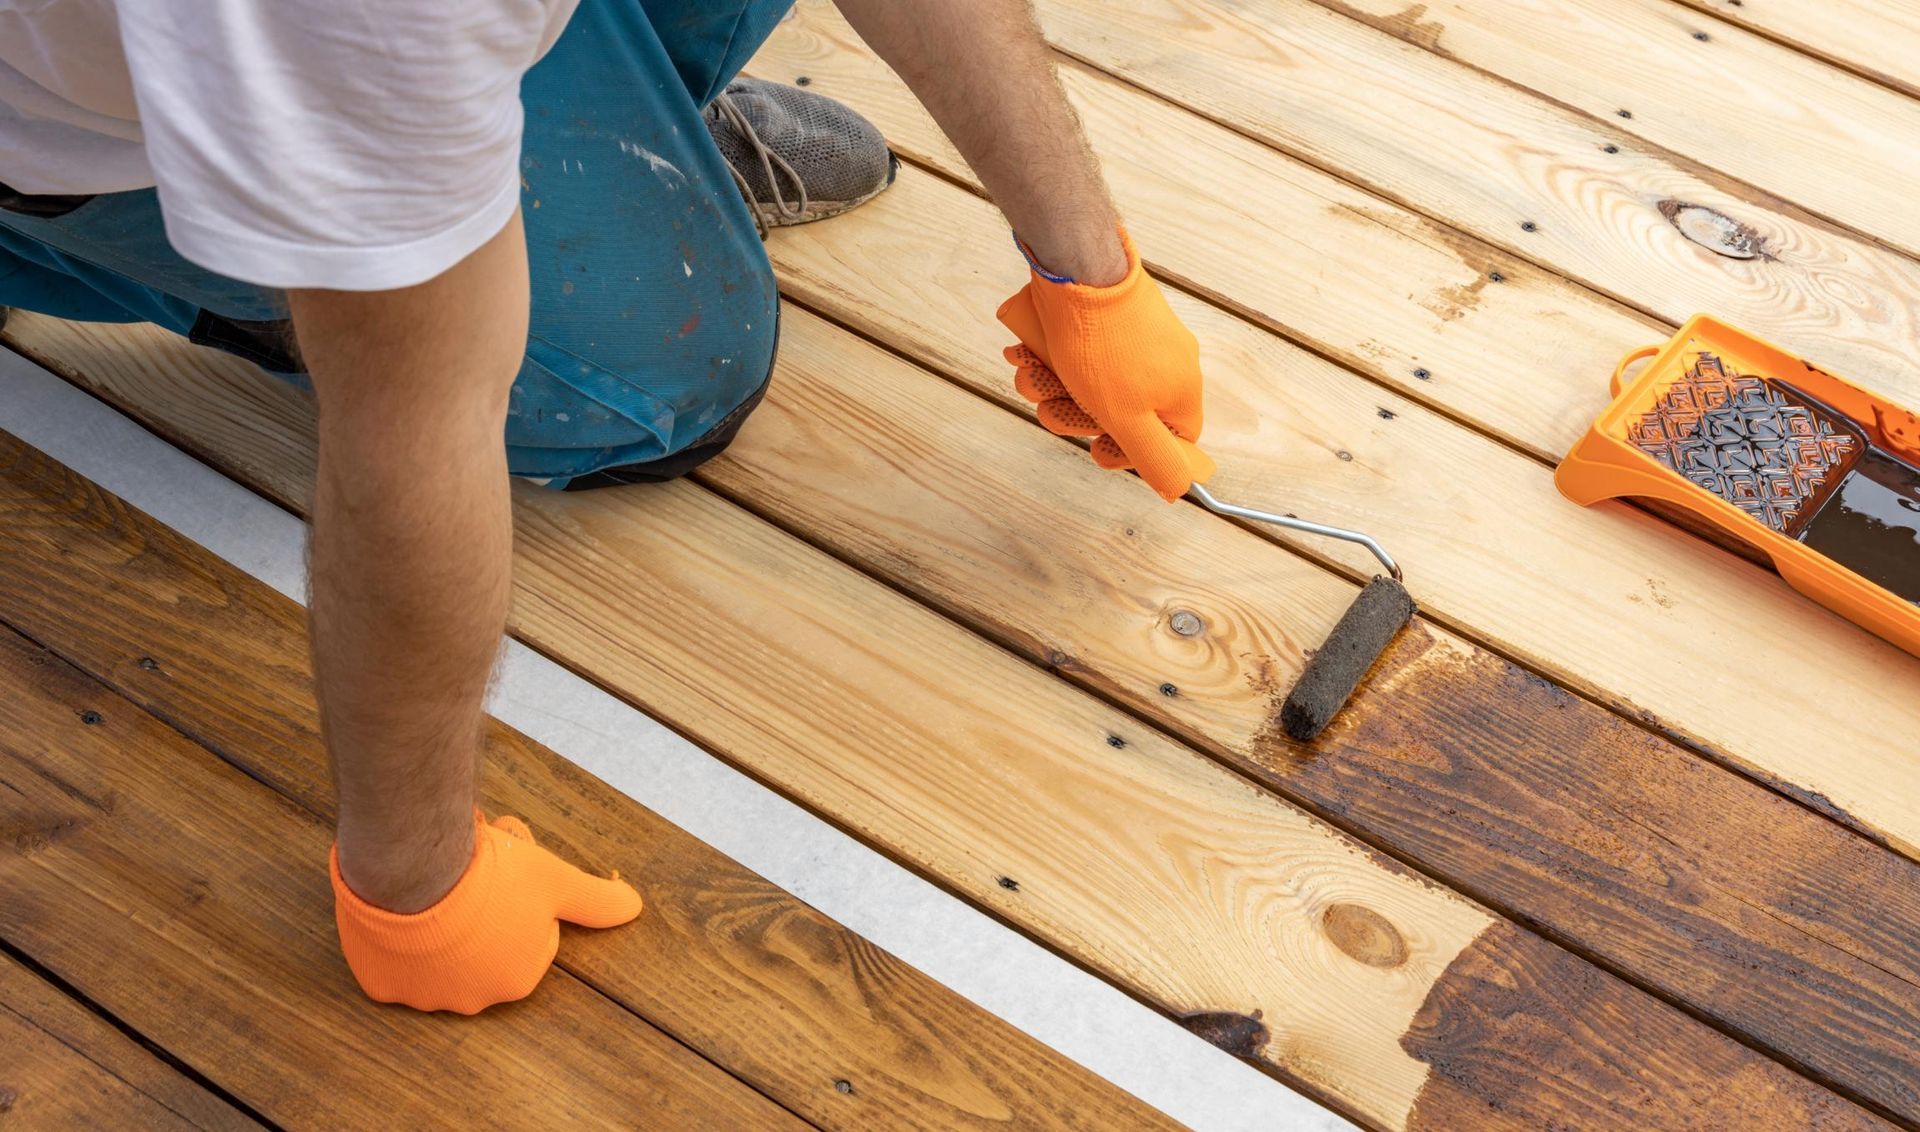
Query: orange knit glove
point(491, 939)
point(1114, 363)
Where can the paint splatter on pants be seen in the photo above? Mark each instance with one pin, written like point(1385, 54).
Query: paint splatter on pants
point(655, 313)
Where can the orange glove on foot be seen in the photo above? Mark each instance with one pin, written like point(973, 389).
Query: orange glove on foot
point(491, 939)
point(1114, 363)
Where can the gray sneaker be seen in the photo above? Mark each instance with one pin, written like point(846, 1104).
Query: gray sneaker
point(797, 156)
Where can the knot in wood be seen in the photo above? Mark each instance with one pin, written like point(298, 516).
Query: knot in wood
point(1364, 935)
point(1714, 230)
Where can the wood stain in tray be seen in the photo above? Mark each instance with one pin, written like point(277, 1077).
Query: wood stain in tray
point(1871, 524)
point(1793, 463)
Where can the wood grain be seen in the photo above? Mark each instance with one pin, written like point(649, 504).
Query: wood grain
point(1143, 861)
point(1507, 1083)
point(1605, 601)
point(64, 1067)
point(1737, 103)
point(125, 839)
point(724, 961)
point(1877, 38)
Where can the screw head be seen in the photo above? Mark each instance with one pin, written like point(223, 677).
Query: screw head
point(1529, 226)
point(1423, 373)
point(1186, 624)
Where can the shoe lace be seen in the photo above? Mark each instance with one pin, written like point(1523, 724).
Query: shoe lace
point(771, 164)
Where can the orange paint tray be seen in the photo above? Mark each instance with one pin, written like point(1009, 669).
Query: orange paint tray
point(1777, 453)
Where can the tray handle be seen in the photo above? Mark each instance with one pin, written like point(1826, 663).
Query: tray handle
point(1620, 371)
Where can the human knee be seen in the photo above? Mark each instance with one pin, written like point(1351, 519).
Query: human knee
point(570, 415)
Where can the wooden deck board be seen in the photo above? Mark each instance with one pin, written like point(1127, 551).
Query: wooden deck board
point(64, 1067)
point(1485, 157)
point(1738, 104)
point(1604, 600)
point(1373, 285)
point(977, 768)
point(128, 840)
point(726, 962)
point(1877, 38)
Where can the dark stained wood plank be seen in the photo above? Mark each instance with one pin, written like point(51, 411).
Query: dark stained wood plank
point(192, 902)
point(1752, 911)
point(1495, 1065)
point(703, 615)
point(64, 1067)
point(727, 962)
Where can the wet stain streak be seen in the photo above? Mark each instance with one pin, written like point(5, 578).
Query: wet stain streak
point(1499, 1032)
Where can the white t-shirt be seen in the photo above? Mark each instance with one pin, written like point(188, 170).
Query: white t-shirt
point(351, 144)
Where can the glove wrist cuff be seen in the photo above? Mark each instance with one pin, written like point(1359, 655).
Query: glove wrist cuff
point(456, 917)
point(1086, 293)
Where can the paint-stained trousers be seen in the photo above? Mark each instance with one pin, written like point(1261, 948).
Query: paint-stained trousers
point(655, 313)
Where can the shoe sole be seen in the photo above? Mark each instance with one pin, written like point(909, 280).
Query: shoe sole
point(826, 210)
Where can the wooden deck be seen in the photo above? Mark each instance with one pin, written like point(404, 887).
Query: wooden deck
point(1622, 834)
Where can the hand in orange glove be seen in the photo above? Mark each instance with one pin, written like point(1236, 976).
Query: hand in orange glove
point(490, 939)
point(1114, 363)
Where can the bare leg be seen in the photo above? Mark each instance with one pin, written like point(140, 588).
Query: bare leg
point(411, 556)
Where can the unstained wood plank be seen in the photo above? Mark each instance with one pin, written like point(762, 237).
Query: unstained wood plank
point(184, 897)
point(758, 982)
point(1145, 861)
point(1488, 158)
point(1878, 38)
point(1362, 280)
point(64, 1067)
point(1741, 105)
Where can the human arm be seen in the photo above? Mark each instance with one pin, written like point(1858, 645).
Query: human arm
point(1102, 353)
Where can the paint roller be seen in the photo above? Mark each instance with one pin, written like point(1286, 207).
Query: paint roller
point(1363, 633)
